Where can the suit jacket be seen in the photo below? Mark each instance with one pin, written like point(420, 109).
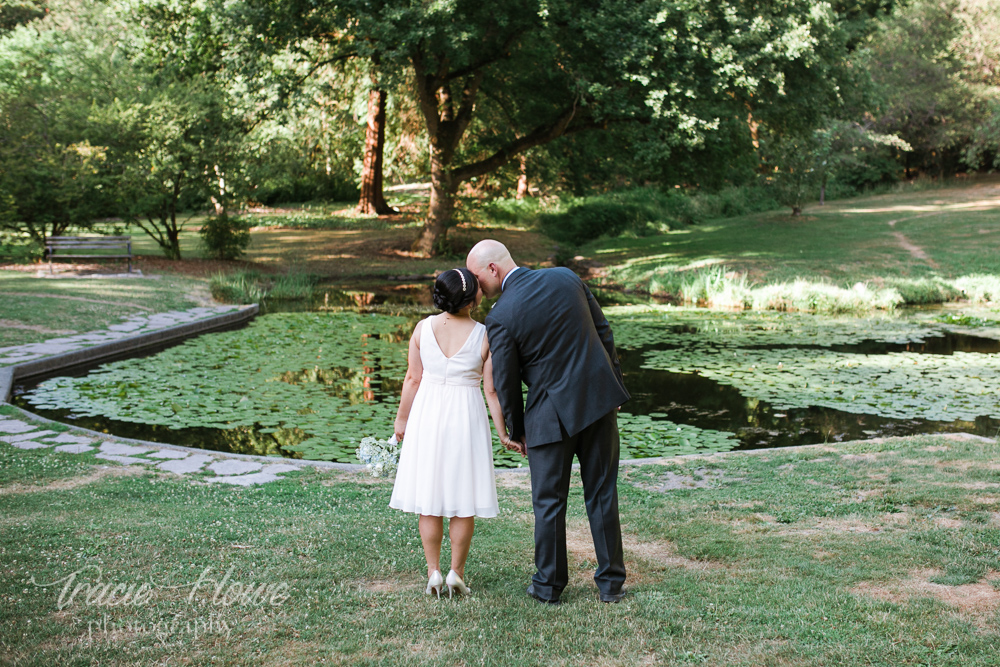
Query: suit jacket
point(548, 331)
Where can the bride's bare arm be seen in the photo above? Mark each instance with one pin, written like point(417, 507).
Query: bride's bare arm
point(493, 401)
point(411, 383)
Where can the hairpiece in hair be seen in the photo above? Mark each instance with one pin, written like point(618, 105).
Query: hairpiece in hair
point(463, 279)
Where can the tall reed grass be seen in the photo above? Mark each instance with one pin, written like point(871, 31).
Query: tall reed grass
point(718, 287)
point(254, 287)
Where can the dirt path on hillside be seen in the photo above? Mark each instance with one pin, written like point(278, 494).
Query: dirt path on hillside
point(915, 251)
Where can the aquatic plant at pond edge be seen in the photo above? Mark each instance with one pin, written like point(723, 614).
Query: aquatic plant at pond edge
point(254, 287)
point(718, 287)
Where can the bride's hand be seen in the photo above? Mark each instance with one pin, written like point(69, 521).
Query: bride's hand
point(399, 429)
point(514, 445)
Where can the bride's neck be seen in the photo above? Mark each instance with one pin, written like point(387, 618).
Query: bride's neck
point(464, 314)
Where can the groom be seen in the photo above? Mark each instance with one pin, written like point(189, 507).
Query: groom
point(547, 330)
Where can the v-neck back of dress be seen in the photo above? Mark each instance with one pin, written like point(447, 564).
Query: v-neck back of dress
point(465, 367)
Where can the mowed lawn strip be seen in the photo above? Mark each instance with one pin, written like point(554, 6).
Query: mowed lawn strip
point(947, 232)
point(877, 553)
point(37, 309)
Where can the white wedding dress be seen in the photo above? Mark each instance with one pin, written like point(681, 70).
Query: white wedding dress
point(446, 461)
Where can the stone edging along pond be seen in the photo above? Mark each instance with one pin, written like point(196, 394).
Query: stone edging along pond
point(121, 347)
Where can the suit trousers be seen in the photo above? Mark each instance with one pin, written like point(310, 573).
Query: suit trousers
point(597, 448)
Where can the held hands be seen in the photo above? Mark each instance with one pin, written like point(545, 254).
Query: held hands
point(510, 444)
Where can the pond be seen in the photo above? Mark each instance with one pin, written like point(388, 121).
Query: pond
point(311, 384)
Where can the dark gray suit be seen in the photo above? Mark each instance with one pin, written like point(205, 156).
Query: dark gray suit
point(547, 331)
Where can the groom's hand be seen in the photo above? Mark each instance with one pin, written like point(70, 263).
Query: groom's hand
point(520, 446)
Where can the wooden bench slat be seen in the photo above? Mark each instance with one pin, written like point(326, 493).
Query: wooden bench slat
point(72, 256)
point(64, 243)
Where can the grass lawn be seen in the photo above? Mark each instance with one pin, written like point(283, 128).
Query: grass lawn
point(875, 553)
point(946, 233)
point(328, 241)
point(35, 309)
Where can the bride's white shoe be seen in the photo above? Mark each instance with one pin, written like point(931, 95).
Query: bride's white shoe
point(455, 582)
point(435, 583)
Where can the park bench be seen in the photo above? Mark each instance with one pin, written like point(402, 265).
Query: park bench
point(64, 247)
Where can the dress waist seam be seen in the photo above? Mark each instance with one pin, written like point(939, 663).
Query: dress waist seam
point(453, 382)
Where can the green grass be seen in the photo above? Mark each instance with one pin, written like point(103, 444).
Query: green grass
point(253, 287)
point(839, 555)
point(928, 245)
point(37, 309)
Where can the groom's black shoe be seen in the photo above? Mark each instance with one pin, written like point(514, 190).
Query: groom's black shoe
point(613, 597)
point(531, 593)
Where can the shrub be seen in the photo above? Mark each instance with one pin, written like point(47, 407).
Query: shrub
point(225, 237)
point(924, 290)
point(734, 201)
point(586, 222)
point(641, 211)
point(508, 213)
point(19, 248)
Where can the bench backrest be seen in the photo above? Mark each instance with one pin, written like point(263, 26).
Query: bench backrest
point(88, 241)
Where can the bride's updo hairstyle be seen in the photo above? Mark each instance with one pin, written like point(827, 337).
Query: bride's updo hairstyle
point(454, 290)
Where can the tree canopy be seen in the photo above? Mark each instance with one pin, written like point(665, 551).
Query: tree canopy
point(146, 110)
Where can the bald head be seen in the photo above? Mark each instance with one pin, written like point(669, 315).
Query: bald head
point(490, 261)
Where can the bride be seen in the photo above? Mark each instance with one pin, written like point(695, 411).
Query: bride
point(446, 462)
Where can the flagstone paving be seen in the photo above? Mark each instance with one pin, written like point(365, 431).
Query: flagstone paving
point(131, 326)
point(214, 467)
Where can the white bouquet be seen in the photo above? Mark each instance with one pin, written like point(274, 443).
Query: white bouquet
point(379, 456)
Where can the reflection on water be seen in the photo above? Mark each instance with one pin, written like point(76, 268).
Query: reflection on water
point(393, 297)
point(691, 399)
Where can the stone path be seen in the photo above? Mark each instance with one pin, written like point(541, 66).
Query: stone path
point(136, 324)
point(214, 467)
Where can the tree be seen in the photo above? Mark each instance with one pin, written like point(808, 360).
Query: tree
point(174, 149)
point(913, 62)
point(494, 81)
point(796, 163)
point(372, 199)
point(978, 47)
point(20, 12)
point(850, 147)
point(52, 177)
point(177, 125)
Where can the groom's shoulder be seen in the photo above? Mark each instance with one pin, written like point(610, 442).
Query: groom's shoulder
point(556, 275)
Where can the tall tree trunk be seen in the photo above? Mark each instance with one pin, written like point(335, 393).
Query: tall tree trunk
point(372, 201)
point(173, 250)
point(522, 178)
point(433, 237)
